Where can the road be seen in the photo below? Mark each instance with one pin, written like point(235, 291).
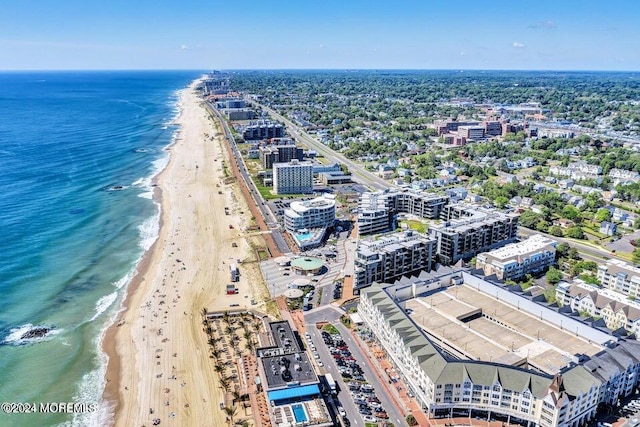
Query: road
point(332, 315)
point(586, 251)
point(269, 217)
point(359, 173)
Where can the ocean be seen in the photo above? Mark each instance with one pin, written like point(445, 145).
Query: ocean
point(77, 154)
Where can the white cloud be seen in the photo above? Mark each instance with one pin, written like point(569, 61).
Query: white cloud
point(518, 45)
point(548, 24)
point(462, 53)
point(184, 47)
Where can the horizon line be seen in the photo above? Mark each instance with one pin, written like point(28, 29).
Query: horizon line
point(459, 70)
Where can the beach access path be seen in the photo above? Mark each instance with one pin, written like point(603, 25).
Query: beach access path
point(159, 365)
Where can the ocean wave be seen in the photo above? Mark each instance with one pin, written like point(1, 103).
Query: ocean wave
point(146, 182)
point(104, 303)
point(149, 231)
point(15, 335)
point(90, 389)
point(146, 195)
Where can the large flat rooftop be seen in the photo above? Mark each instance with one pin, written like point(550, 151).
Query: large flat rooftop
point(285, 363)
point(470, 324)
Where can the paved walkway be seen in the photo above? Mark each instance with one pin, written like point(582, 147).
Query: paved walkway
point(255, 212)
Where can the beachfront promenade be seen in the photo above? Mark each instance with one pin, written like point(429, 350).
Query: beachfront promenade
point(273, 237)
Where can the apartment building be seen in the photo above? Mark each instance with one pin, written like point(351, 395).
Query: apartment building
point(620, 277)
point(514, 261)
point(623, 176)
point(447, 386)
point(613, 309)
point(577, 170)
point(377, 210)
point(391, 257)
point(279, 154)
point(308, 214)
point(468, 230)
point(263, 129)
point(294, 177)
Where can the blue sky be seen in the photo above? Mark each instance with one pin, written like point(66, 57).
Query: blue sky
point(239, 34)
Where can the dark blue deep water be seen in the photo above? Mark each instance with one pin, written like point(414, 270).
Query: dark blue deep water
point(77, 154)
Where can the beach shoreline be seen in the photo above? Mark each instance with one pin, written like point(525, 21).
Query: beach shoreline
point(158, 357)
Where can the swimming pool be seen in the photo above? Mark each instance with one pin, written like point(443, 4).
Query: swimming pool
point(304, 236)
point(298, 413)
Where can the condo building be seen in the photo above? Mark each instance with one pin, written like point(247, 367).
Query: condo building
point(612, 308)
point(514, 261)
point(316, 213)
point(620, 277)
point(377, 210)
point(391, 257)
point(466, 353)
point(468, 230)
point(279, 154)
point(294, 177)
point(263, 129)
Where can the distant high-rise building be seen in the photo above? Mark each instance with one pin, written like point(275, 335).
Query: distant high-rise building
point(279, 154)
point(263, 129)
point(294, 177)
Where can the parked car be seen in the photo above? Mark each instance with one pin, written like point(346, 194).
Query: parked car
point(381, 414)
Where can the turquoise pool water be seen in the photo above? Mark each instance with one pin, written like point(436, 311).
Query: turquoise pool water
point(304, 236)
point(298, 413)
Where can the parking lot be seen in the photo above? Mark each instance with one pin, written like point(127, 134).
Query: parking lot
point(349, 366)
point(627, 415)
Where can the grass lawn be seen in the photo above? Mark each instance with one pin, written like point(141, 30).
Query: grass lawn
point(416, 225)
point(265, 192)
point(331, 329)
point(593, 232)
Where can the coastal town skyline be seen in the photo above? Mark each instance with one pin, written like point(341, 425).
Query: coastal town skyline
point(357, 35)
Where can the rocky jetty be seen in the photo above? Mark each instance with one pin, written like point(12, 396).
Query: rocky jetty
point(36, 332)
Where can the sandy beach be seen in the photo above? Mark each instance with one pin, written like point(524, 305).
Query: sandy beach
point(159, 365)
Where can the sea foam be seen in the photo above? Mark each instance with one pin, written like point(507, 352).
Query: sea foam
point(15, 334)
point(104, 303)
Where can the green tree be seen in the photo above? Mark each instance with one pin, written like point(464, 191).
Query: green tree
point(555, 230)
point(570, 212)
point(575, 232)
point(636, 256)
point(542, 225)
point(562, 250)
point(529, 219)
point(553, 276)
point(602, 215)
point(501, 202)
